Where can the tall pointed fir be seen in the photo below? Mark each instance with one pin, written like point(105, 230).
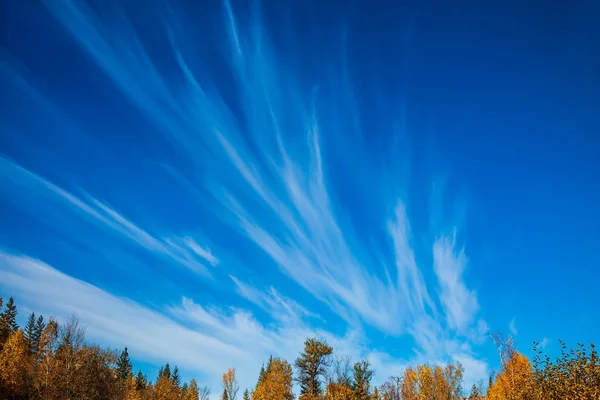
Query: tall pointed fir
point(8, 321)
point(175, 377)
point(261, 376)
point(124, 366)
point(37, 334)
point(140, 381)
point(30, 332)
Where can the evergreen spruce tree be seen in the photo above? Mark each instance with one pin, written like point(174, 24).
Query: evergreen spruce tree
point(167, 371)
point(175, 378)
point(37, 334)
point(140, 381)
point(30, 332)
point(224, 395)
point(246, 395)
point(261, 376)
point(8, 321)
point(124, 366)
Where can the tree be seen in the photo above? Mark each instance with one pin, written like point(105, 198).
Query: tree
point(261, 376)
point(277, 382)
point(224, 396)
point(93, 375)
point(453, 374)
point(375, 395)
point(311, 366)
point(476, 393)
point(230, 385)
point(391, 389)
point(29, 331)
point(340, 370)
point(8, 321)
point(191, 392)
point(514, 381)
point(204, 393)
point(505, 346)
point(140, 381)
point(246, 395)
point(37, 334)
point(175, 378)
point(575, 374)
point(46, 366)
point(67, 358)
point(16, 366)
point(124, 366)
point(362, 381)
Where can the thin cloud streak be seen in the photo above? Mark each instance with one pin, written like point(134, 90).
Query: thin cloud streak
point(182, 251)
point(513, 327)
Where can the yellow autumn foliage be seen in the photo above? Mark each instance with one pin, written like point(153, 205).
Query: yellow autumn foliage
point(277, 382)
point(515, 381)
point(16, 366)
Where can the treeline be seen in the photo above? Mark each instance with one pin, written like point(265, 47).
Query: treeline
point(47, 360)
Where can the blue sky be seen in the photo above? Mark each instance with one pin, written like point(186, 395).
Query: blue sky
point(210, 183)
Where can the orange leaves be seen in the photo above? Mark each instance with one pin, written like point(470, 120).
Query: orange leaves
point(230, 385)
point(16, 366)
point(338, 391)
point(515, 381)
point(277, 382)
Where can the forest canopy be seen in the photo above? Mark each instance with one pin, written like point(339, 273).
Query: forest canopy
point(45, 359)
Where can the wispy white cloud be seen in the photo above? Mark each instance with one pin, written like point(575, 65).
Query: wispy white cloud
point(460, 304)
point(513, 327)
point(544, 343)
point(281, 308)
point(182, 251)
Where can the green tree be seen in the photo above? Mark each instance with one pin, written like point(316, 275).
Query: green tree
point(175, 377)
point(246, 395)
point(362, 380)
point(165, 372)
point(311, 366)
point(140, 381)
point(37, 334)
point(124, 366)
point(30, 332)
point(261, 376)
point(8, 321)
